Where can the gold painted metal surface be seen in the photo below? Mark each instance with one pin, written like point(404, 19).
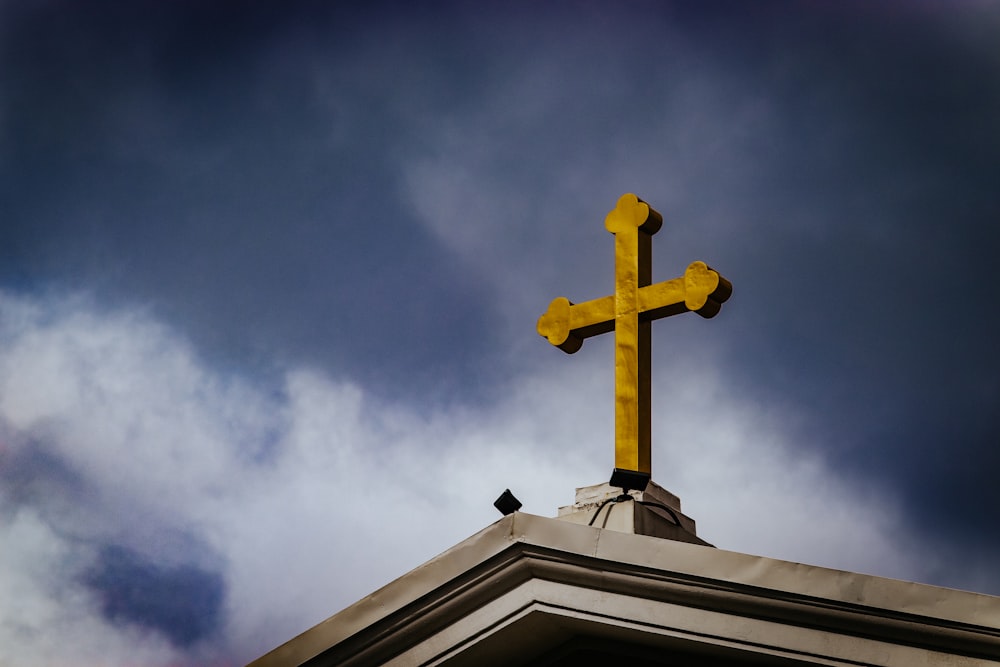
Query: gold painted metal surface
point(629, 312)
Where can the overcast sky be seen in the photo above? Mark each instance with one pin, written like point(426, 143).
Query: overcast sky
point(270, 272)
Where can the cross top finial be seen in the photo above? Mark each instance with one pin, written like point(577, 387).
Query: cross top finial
point(629, 312)
point(630, 211)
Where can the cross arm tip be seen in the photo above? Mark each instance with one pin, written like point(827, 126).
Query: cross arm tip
point(553, 325)
point(705, 289)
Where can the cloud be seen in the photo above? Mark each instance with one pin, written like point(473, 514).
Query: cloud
point(116, 442)
point(49, 621)
point(341, 226)
point(274, 506)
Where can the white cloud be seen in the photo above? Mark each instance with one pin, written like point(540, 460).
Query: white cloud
point(752, 488)
point(45, 620)
point(310, 497)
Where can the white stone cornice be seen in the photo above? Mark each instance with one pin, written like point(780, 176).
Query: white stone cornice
point(527, 586)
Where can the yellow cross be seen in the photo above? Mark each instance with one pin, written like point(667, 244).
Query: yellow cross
point(630, 312)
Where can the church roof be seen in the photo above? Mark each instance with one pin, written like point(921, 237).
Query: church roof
point(534, 590)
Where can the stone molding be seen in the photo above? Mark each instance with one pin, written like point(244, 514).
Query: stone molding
point(526, 585)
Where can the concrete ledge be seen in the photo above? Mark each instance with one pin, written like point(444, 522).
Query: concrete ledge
point(525, 585)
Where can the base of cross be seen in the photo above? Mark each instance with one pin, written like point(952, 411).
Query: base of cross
point(654, 512)
point(628, 480)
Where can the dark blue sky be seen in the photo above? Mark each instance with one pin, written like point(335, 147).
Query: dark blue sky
point(262, 264)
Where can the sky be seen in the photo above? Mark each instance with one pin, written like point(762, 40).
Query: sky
point(270, 272)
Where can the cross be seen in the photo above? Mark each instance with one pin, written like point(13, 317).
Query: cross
point(630, 312)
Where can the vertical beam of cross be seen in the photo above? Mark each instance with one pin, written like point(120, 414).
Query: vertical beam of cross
point(633, 223)
point(630, 312)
